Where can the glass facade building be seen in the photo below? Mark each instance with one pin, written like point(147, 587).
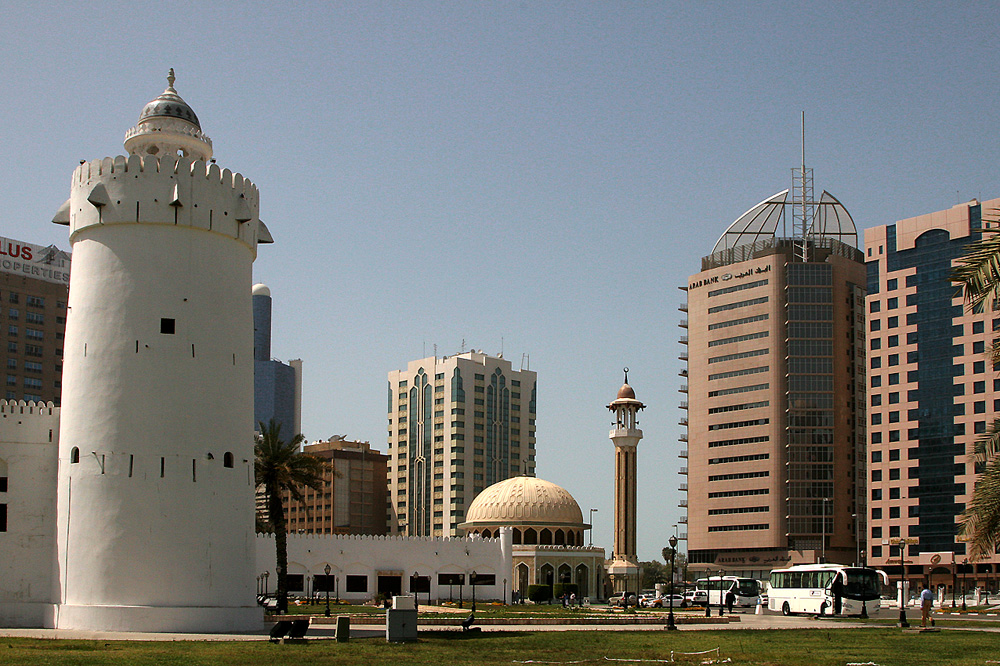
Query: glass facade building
point(932, 392)
point(775, 409)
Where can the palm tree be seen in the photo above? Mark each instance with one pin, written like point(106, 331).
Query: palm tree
point(280, 466)
point(978, 276)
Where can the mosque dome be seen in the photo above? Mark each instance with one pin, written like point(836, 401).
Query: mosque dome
point(524, 500)
point(626, 392)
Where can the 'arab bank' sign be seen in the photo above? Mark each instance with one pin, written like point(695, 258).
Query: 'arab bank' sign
point(43, 263)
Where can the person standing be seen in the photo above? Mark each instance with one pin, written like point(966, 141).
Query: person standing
point(926, 603)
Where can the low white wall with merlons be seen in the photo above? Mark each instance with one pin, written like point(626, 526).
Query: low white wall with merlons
point(29, 446)
point(374, 556)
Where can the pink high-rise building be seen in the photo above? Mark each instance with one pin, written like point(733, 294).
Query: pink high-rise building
point(932, 391)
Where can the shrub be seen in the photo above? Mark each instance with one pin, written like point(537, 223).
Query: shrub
point(560, 589)
point(539, 593)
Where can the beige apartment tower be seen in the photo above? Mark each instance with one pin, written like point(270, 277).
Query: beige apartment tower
point(457, 424)
point(932, 393)
point(775, 409)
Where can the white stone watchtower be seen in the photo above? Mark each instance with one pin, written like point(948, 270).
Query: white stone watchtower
point(156, 487)
point(624, 567)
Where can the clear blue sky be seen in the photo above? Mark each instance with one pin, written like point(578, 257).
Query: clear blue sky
point(541, 174)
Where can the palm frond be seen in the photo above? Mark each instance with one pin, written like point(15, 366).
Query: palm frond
point(978, 271)
point(980, 522)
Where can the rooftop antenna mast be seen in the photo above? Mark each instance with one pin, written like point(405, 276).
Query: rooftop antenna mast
point(803, 209)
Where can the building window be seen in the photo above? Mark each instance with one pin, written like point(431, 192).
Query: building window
point(35, 302)
point(167, 326)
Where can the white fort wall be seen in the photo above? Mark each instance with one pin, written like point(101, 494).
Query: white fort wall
point(156, 442)
point(29, 437)
point(374, 556)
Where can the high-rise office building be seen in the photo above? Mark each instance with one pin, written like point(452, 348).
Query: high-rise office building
point(352, 499)
point(457, 424)
point(34, 290)
point(277, 386)
point(775, 409)
point(932, 392)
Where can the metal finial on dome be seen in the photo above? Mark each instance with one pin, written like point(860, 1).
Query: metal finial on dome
point(170, 80)
point(626, 374)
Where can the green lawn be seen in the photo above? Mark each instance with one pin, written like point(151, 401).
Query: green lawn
point(817, 647)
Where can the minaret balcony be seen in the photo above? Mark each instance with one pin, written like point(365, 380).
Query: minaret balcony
point(625, 432)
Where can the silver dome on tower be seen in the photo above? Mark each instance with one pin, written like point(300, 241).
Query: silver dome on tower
point(168, 126)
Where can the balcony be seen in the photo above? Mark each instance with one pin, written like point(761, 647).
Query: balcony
point(683, 536)
point(684, 340)
point(683, 307)
point(683, 504)
point(683, 438)
point(683, 373)
point(683, 470)
point(683, 357)
point(683, 422)
point(683, 488)
point(684, 404)
point(683, 323)
point(683, 388)
point(682, 520)
point(683, 453)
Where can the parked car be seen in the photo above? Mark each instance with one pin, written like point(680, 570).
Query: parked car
point(695, 598)
point(619, 599)
point(663, 602)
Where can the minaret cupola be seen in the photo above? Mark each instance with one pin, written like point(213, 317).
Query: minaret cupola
point(168, 126)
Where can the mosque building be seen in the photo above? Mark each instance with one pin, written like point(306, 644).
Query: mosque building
point(547, 534)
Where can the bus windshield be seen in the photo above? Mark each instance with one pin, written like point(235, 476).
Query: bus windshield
point(747, 587)
point(862, 584)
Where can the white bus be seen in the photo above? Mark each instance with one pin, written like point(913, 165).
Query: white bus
point(825, 589)
point(746, 590)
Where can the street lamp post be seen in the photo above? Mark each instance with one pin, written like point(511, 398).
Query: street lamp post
point(965, 587)
point(416, 597)
point(265, 575)
point(336, 588)
point(708, 593)
point(722, 602)
point(472, 582)
point(673, 553)
point(504, 591)
point(326, 570)
point(902, 584)
point(592, 511)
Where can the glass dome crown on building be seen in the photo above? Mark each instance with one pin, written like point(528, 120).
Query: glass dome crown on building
point(830, 219)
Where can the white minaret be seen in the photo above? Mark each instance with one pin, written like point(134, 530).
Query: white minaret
point(156, 488)
point(624, 567)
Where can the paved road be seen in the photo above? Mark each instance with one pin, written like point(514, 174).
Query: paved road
point(748, 621)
